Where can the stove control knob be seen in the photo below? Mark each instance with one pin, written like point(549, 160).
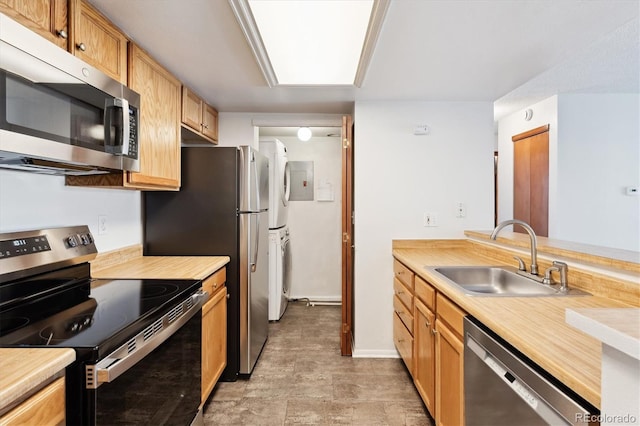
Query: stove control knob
point(87, 321)
point(85, 239)
point(74, 327)
point(72, 241)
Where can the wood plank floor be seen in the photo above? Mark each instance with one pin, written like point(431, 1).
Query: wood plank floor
point(301, 378)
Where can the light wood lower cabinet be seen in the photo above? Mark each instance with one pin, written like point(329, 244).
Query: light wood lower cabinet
point(449, 377)
point(45, 408)
point(214, 332)
point(425, 355)
point(432, 347)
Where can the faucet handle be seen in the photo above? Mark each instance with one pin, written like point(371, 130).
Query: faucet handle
point(521, 265)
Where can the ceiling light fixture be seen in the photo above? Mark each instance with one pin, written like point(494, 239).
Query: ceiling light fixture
point(304, 134)
point(289, 39)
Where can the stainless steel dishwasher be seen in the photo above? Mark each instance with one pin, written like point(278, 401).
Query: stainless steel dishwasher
point(503, 387)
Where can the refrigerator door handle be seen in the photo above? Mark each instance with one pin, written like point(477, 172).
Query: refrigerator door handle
point(257, 182)
point(254, 261)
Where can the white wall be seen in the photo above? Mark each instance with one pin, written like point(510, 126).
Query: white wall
point(598, 157)
point(30, 201)
point(594, 154)
point(398, 177)
point(316, 226)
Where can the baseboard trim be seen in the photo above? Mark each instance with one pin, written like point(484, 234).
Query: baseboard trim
point(375, 353)
point(333, 299)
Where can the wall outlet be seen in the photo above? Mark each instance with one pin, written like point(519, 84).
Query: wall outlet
point(461, 209)
point(102, 224)
point(430, 219)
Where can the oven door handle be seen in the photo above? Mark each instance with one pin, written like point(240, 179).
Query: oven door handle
point(136, 348)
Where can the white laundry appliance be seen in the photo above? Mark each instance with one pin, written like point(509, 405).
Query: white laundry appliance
point(279, 248)
point(279, 272)
point(279, 179)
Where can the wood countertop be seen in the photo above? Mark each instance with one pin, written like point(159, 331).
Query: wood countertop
point(163, 267)
point(534, 325)
point(25, 371)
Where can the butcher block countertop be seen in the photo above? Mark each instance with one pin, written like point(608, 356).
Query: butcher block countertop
point(25, 371)
point(534, 325)
point(158, 267)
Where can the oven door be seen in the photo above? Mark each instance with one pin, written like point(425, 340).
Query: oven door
point(161, 388)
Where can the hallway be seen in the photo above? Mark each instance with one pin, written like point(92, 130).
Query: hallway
point(301, 378)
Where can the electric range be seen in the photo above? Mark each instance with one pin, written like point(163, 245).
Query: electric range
point(137, 341)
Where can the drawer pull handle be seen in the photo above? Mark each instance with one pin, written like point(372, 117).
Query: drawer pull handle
point(400, 292)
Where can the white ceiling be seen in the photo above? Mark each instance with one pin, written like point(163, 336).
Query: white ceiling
point(428, 50)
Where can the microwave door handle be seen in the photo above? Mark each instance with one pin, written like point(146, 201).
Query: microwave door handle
point(120, 145)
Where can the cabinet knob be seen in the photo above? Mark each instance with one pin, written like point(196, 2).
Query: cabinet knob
point(215, 285)
point(62, 34)
point(434, 332)
point(81, 46)
point(205, 126)
point(428, 323)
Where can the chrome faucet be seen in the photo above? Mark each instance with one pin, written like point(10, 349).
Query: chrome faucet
point(532, 237)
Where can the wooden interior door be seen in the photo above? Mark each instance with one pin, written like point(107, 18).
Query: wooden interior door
point(346, 331)
point(531, 179)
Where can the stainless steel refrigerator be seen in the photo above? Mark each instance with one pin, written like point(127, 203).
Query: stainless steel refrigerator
point(221, 210)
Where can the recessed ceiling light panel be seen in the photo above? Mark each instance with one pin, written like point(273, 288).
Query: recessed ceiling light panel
point(311, 42)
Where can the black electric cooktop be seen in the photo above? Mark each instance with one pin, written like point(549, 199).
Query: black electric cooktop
point(90, 315)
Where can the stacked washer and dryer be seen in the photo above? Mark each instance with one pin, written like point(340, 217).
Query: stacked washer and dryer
point(279, 249)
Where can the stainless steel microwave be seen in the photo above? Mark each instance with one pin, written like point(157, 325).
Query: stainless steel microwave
point(59, 115)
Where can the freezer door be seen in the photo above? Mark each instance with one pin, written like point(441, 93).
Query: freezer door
point(254, 180)
point(254, 287)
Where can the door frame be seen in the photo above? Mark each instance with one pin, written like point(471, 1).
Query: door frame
point(346, 329)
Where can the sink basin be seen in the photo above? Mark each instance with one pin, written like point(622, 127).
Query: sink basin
point(496, 281)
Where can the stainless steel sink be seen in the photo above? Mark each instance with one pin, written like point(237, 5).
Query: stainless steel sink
point(496, 281)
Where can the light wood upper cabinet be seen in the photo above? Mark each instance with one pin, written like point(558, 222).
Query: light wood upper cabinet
point(158, 130)
point(97, 41)
point(159, 127)
point(46, 17)
point(199, 119)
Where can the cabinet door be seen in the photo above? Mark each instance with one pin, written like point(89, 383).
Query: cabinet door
point(159, 127)
point(46, 17)
point(449, 377)
point(46, 407)
point(98, 42)
point(210, 122)
point(191, 109)
point(214, 341)
point(424, 357)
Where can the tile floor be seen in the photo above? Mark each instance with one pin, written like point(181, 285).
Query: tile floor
point(301, 378)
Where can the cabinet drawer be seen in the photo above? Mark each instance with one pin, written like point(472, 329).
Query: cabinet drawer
point(405, 315)
point(403, 294)
point(425, 292)
point(404, 274)
point(403, 341)
point(450, 313)
point(212, 283)
point(46, 407)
